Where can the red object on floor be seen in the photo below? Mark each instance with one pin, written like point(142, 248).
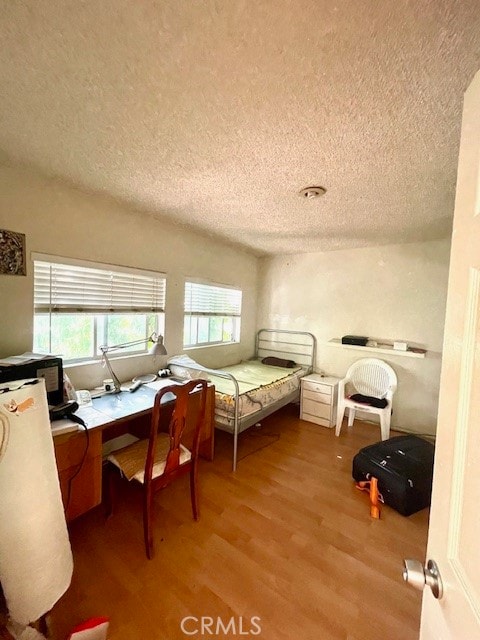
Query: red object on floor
point(92, 629)
point(375, 497)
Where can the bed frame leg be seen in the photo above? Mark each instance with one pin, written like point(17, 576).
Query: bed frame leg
point(235, 441)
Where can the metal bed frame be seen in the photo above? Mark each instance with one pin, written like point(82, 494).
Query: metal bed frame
point(300, 346)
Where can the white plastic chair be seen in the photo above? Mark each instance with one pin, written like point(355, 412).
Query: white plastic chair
point(370, 377)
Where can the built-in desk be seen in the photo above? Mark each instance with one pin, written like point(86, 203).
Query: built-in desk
point(110, 416)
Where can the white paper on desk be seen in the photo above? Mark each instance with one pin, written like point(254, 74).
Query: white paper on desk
point(160, 384)
point(35, 557)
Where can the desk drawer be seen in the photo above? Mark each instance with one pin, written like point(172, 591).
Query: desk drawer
point(316, 408)
point(324, 398)
point(317, 387)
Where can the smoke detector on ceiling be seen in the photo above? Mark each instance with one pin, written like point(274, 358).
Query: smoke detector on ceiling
point(312, 192)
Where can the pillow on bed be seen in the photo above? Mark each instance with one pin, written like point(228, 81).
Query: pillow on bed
point(279, 362)
point(178, 365)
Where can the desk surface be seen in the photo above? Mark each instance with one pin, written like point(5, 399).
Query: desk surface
point(114, 407)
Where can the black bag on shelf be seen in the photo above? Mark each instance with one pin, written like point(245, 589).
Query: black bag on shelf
point(404, 468)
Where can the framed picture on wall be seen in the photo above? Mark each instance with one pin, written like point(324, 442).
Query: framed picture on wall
point(12, 253)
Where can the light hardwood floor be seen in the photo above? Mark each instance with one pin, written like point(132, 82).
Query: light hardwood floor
point(286, 538)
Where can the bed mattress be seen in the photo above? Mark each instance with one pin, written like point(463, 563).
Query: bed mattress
point(259, 387)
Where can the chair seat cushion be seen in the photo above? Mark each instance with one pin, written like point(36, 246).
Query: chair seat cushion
point(380, 403)
point(131, 460)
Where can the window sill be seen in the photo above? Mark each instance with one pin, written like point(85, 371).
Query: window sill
point(111, 357)
point(210, 346)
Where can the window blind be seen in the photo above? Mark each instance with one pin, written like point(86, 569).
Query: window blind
point(70, 288)
point(212, 300)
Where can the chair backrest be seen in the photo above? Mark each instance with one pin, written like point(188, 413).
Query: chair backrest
point(189, 397)
point(372, 377)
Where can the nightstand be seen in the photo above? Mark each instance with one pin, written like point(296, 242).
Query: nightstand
point(318, 399)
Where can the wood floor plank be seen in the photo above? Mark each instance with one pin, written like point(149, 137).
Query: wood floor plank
point(286, 538)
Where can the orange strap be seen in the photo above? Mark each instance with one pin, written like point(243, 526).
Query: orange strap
point(375, 497)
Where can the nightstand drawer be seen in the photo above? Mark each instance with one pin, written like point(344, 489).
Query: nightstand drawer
point(318, 387)
point(316, 408)
point(324, 398)
point(321, 421)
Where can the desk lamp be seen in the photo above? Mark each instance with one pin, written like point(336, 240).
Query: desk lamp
point(157, 349)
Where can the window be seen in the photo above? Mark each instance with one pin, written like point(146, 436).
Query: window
point(212, 314)
point(79, 307)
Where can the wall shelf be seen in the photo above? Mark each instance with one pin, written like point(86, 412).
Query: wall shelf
point(336, 342)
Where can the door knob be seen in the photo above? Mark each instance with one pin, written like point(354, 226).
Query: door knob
point(418, 576)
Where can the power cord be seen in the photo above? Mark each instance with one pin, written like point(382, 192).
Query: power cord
point(275, 437)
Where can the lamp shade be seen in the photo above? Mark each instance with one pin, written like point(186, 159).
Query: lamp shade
point(158, 348)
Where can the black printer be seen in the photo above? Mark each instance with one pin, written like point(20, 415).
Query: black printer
point(31, 365)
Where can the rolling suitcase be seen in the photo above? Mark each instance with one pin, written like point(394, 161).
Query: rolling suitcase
point(404, 468)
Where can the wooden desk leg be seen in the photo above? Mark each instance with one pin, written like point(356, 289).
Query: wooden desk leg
point(207, 446)
point(206, 449)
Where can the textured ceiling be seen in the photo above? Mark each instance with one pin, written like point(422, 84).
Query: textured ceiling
point(215, 113)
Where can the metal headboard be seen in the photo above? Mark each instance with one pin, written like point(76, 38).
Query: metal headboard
point(299, 346)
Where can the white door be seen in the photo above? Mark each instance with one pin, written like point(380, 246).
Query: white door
point(454, 534)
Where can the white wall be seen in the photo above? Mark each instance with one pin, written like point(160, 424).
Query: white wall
point(391, 292)
point(62, 221)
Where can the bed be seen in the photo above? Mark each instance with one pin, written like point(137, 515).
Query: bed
point(247, 392)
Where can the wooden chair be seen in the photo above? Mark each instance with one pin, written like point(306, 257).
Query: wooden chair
point(157, 461)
